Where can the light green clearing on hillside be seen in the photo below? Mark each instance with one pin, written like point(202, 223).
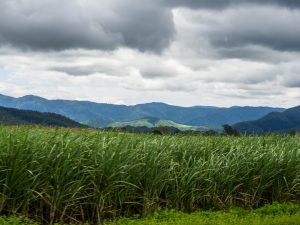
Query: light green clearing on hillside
point(159, 123)
point(166, 123)
point(134, 123)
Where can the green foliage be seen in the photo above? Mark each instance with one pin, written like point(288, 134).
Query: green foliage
point(275, 214)
point(59, 175)
point(235, 216)
point(16, 220)
point(230, 130)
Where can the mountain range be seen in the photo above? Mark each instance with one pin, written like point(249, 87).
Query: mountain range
point(279, 122)
point(12, 116)
point(104, 115)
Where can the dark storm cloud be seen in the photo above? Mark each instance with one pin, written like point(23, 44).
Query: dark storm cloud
point(292, 83)
point(280, 38)
point(87, 70)
point(77, 71)
point(240, 27)
point(289, 75)
point(146, 25)
point(158, 71)
point(256, 53)
point(221, 4)
point(216, 4)
point(88, 24)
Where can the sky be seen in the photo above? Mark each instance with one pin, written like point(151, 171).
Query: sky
point(181, 52)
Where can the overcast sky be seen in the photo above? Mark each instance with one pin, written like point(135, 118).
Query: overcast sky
point(182, 52)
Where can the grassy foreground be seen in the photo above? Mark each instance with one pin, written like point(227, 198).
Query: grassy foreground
point(57, 175)
point(277, 214)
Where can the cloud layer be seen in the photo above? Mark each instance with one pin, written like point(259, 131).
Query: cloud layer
point(185, 52)
point(106, 25)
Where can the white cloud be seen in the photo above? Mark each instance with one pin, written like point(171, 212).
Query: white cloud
point(230, 56)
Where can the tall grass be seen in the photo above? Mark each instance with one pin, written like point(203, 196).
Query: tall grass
point(57, 175)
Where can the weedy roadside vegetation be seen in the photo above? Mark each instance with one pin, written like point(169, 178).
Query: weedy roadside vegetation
point(60, 175)
point(275, 214)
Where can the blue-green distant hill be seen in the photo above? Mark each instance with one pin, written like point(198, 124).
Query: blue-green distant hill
point(277, 122)
point(10, 116)
point(102, 115)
